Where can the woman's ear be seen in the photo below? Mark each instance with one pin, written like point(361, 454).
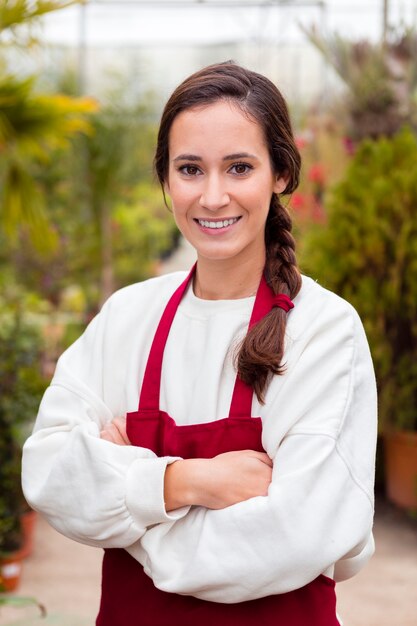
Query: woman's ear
point(280, 183)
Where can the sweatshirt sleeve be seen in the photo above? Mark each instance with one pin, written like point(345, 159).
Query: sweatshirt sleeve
point(89, 489)
point(318, 515)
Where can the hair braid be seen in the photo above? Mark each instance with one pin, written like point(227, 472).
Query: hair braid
point(261, 352)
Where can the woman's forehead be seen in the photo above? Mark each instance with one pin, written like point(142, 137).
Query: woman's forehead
point(222, 124)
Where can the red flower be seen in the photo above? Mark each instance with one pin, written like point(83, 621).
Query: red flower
point(317, 174)
point(298, 200)
point(349, 145)
point(300, 142)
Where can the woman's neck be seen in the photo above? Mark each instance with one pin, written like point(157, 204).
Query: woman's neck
point(228, 279)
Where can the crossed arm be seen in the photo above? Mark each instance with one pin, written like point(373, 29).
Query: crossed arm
point(215, 483)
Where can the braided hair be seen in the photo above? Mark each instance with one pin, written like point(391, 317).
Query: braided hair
point(261, 352)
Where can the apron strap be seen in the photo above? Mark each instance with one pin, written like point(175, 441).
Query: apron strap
point(241, 404)
point(149, 395)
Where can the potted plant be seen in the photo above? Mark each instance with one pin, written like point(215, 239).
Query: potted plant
point(367, 253)
point(21, 387)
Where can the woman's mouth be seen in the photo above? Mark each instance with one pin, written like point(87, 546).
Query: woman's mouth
point(217, 224)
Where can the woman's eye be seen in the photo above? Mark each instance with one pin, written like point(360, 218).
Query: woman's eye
point(189, 170)
point(241, 168)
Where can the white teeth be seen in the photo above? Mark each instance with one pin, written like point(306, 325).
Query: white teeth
point(219, 224)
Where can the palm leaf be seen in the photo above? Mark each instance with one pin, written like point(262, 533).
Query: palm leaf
point(32, 126)
point(50, 119)
point(14, 13)
point(22, 204)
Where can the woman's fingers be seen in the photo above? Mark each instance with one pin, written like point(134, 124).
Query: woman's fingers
point(120, 425)
point(115, 431)
point(107, 435)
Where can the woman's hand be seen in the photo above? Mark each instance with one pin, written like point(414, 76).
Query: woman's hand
point(215, 483)
point(115, 431)
point(219, 482)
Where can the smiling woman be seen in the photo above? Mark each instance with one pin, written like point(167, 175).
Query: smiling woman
point(239, 488)
point(220, 196)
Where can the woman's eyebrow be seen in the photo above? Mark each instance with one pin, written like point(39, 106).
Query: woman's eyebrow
point(187, 157)
point(239, 155)
point(228, 157)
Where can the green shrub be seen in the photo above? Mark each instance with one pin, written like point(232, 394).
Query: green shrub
point(367, 253)
point(21, 387)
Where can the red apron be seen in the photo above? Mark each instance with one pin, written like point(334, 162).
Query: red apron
point(129, 597)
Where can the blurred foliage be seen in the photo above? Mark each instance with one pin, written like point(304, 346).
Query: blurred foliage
point(21, 602)
point(67, 168)
point(21, 388)
point(325, 154)
point(113, 165)
point(381, 80)
point(144, 231)
point(108, 215)
point(367, 253)
point(15, 13)
point(32, 127)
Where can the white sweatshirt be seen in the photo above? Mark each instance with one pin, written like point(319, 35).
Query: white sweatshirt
point(319, 428)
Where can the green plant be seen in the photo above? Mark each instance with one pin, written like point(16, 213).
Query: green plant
point(367, 252)
point(108, 214)
point(32, 126)
point(143, 231)
point(21, 387)
point(21, 602)
point(381, 80)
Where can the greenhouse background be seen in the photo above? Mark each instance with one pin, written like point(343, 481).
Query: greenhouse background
point(82, 86)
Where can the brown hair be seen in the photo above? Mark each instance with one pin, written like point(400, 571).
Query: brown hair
point(261, 352)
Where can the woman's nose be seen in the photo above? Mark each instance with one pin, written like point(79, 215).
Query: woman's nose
point(214, 195)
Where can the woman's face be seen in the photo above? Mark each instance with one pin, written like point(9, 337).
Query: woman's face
point(220, 181)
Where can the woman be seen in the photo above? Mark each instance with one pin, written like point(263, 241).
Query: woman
point(231, 498)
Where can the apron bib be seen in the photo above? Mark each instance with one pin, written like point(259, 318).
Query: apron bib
point(129, 597)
